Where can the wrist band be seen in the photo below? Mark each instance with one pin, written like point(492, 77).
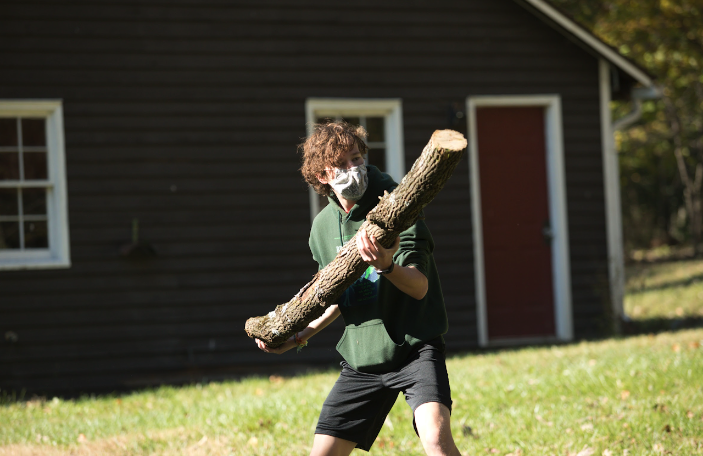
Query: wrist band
point(386, 271)
point(300, 342)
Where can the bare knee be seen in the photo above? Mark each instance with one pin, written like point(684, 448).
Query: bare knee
point(434, 443)
point(326, 445)
point(438, 440)
point(433, 426)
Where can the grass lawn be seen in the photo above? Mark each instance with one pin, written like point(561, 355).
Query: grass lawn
point(665, 290)
point(633, 396)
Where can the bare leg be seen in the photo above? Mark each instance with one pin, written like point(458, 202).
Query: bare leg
point(326, 445)
point(432, 421)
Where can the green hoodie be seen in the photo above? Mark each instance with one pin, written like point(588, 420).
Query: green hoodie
point(383, 324)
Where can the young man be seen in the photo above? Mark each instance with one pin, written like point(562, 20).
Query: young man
point(394, 314)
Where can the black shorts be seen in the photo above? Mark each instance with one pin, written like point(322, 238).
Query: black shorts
point(358, 404)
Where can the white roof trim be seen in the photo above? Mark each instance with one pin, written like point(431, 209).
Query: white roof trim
point(607, 52)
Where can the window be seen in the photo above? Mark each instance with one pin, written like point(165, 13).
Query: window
point(33, 212)
point(382, 119)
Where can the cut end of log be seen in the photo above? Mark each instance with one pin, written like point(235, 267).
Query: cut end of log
point(250, 326)
point(449, 140)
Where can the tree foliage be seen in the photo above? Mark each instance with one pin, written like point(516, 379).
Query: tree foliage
point(661, 157)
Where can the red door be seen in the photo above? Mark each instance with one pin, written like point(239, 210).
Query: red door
point(514, 214)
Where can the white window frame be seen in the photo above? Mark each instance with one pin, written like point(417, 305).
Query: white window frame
point(58, 253)
point(390, 109)
point(556, 176)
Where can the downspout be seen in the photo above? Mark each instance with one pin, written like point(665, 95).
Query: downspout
point(638, 95)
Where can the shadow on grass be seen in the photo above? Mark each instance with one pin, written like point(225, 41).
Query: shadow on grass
point(633, 327)
point(178, 379)
point(668, 285)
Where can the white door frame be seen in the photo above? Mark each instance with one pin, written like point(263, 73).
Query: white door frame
point(556, 185)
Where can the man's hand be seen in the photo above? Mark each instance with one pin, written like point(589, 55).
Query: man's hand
point(330, 314)
point(373, 252)
point(287, 345)
point(408, 279)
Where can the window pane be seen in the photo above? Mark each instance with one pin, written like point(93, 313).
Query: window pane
point(8, 201)
point(33, 132)
point(353, 120)
point(34, 201)
point(377, 157)
point(35, 235)
point(374, 125)
point(8, 132)
point(34, 165)
point(9, 165)
point(9, 235)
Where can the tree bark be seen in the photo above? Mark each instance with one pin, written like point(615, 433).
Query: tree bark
point(395, 212)
point(692, 187)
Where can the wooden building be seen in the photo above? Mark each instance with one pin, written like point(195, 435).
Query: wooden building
point(150, 199)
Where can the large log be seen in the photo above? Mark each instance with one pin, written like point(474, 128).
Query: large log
point(395, 212)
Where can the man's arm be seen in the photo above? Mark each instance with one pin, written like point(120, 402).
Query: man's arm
point(409, 280)
point(330, 315)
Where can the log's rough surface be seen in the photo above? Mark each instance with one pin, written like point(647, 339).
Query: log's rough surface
point(395, 212)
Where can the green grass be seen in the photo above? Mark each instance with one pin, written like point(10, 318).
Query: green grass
point(642, 394)
point(665, 290)
point(638, 396)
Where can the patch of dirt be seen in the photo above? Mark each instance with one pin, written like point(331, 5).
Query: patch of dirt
point(107, 447)
point(171, 442)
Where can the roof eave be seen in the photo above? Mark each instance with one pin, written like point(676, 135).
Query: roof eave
point(592, 41)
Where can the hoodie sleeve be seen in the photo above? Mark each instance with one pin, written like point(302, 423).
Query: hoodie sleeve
point(313, 242)
point(313, 250)
point(416, 247)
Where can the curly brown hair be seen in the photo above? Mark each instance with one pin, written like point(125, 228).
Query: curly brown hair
point(325, 147)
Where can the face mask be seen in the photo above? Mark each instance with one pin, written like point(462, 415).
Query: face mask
point(350, 183)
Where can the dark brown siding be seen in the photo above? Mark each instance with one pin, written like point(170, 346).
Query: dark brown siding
point(185, 114)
